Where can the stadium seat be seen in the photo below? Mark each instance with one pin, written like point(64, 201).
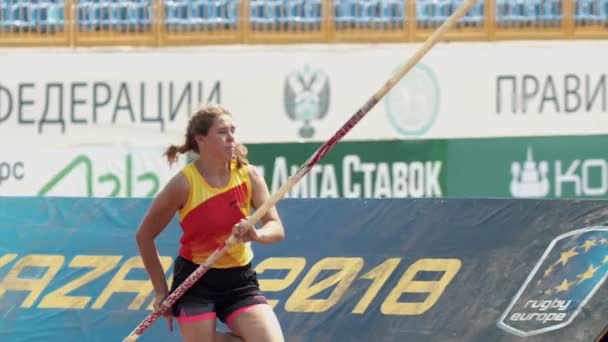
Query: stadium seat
point(302, 11)
point(18, 14)
point(591, 11)
point(549, 10)
point(6, 21)
point(369, 11)
point(201, 12)
point(46, 15)
point(266, 12)
point(117, 14)
point(176, 12)
point(96, 14)
point(345, 11)
point(528, 11)
point(434, 12)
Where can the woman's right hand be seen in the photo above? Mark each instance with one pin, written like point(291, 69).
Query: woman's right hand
point(158, 300)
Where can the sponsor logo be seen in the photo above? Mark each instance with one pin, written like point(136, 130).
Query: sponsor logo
point(529, 178)
point(533, 178)
point(413, 103)
point(566, 277)
point(81, 172)
point(353, 177)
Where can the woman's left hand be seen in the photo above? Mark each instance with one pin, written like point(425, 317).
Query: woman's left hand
point(244, 232)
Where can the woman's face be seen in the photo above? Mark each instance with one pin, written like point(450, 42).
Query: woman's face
point(220, 141)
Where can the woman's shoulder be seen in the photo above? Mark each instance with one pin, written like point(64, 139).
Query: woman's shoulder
point(177, 189)
point(180, 181)
point(188, 169)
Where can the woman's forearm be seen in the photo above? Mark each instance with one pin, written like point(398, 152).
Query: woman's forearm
point(149, 255)
point(270, 233)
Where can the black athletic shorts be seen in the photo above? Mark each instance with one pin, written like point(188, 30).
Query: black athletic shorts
point(221, 293)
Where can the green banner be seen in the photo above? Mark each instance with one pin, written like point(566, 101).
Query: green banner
point(378, 169)
point(534, 167)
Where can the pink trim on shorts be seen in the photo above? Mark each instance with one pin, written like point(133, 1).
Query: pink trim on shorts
point(233, 315)
point(183, 318)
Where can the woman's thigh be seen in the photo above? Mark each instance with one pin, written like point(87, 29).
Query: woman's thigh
point(197, 330)
point(256, 323)
point(203, 331)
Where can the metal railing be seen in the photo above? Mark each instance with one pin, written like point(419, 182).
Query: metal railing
point(75, 23)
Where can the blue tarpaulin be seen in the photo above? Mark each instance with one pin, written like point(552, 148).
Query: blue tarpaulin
point(348, 270)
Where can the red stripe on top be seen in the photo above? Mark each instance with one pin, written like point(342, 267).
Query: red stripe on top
point(208, 225)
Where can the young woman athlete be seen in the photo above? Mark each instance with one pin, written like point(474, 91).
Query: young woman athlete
point(212, 196)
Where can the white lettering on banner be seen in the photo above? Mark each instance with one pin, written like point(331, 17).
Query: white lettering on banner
point(603, 172)
point(544, 305)
point(329, 183)
point(583, 176)
point(350, 190)
point(569, 93)
point(90, 103)
point(360, 179)
point(541, 315)
point(579, 177)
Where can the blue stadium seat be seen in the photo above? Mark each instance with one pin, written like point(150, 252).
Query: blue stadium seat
point(302, 11)
point(19, 14)
point(201, 12)
point(369, 11)
point(435, 12)
point(5, 15)
point(345, 11)
point(46, 15)
point(591, 11)
point(528, 11)
point(549, 10)
point(141, 12)
point(227, 12)
point(86, 15)
point(47, 12)
point(176, 12)
point(511, 11)
point(121, 14)
point(267, 12)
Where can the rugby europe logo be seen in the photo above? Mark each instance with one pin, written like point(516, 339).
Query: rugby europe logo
point(573, 267)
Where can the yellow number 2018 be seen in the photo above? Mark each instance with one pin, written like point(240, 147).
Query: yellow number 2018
point(294, 265)
point(346, 269)
point(407, 284)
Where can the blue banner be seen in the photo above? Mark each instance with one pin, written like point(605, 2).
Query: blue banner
point(348, 270)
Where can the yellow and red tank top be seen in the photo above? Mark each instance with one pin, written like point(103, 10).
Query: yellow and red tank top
point(210, 213)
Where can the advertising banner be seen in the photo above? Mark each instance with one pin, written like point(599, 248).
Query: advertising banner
point(92, 171)
point(378, 169)
point(534, 167)
point(373, 169)
point(348, 270)
point(524, 167)
point(304, 93)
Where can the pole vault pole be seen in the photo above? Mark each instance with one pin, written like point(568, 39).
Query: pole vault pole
point(307, 166)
